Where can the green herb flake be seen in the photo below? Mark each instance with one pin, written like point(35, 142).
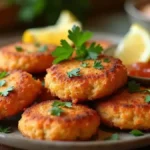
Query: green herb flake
point(98, 65)
point(63, 104)
point(74, 73)
point(147, 99)
point(107, 60)
point(78, 37)
point(7, 91)
point(133, 86)
point(3, 74)
point(56, 111)
point(136, 133)
point(84, 65)
point(2, 83)
point(19, 48)
point(5, 129)
point(43, 48)
point(114, 136)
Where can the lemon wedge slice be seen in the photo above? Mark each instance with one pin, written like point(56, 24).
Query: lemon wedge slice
point(135, 46)
point(52, 34)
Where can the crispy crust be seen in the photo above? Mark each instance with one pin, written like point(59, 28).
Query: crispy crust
point(92, 84)
point(25, 91)
point(125, 111)
point(76, 123)
point(29, 60)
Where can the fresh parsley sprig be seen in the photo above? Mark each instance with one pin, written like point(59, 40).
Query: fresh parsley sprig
point(56, 109)
point(78, 37)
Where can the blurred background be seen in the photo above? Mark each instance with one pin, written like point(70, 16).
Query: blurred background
point(96, 15)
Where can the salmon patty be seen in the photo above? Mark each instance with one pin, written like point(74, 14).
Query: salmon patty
point(73, 80)
point(33, 58)
point(17, 91)
point(126, 111)
point(75, 123)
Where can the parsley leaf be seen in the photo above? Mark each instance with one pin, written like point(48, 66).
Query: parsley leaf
point(114, 136)
point(60, 103)
point(79, 37)
point(62, 52)
point(147, 99)
point(136, 133)
point(7, 91)
point(5, 129)
point(133, 87)
point(107, 60)
point(74, 73)
point(84, 64)
point(98, 65)
point(43, 48)
point(56, 111)
point(19, 48)
point(2, 83)
point(3, 74)
point(94, 51)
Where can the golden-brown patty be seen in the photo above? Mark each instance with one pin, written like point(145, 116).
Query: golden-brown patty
point(18, 91)
point(76, 123)
point(91, 84)
point(28, 57)
point(125, 111)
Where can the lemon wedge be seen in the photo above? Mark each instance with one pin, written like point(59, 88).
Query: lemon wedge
point(135, 46)
point(52, 34)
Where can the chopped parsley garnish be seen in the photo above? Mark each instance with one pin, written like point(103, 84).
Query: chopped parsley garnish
point(63, 104)
point(74, 73)
point(5, 129)
point(107, 60)
point(114, 136)
point(147, 99)
point(43, 48)
point(7, 91)
point(56, 109)
point(2, 83)
point(19, 48)
point(98, 65)
point(133, 86)
point(78, 37)
point(136, 133)
point(3, 74)
point(84, 65)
